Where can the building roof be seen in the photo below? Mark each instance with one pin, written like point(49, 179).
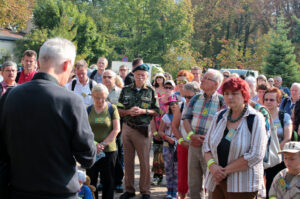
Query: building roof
point(8, 35)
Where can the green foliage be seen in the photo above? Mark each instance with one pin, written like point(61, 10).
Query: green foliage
point(55, 18)
point(281, 59)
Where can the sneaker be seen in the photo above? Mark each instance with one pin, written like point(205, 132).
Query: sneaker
point(169, 195)
point(127, 195)
point(100, 187)
point(146, 196)
point(174, 195)
point(155, 181)
point(119, 189)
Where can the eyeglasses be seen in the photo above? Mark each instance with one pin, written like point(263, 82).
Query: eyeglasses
point(188, 97)
point(167, 87)
point(172, 103)
point(181, 81)
point(109, 77)
point(226, 75)
point(207, 78)
point(269, 100)
point(10, 71)
point(123, 69)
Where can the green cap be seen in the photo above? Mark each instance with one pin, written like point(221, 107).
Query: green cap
point(143, 67)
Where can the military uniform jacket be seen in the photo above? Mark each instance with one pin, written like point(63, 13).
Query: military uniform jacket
point(144, 98)
point(280, 188)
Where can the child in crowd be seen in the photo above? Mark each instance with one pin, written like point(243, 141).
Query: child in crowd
point(85, 191)
point(169, 149)
point(286, 184)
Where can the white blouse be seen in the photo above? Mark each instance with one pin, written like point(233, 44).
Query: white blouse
point(251, 146)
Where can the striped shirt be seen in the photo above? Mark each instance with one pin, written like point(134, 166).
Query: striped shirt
point(250, 145)
point(201, 111)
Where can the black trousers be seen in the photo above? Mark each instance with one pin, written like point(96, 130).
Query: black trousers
point(271, 173)
point(106, 167)
point(119, 173)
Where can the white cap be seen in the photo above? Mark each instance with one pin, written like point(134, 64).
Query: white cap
point(291, 147)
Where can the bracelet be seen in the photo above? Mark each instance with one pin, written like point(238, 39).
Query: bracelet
point(210, 162)
point(189, 135)
point(155, 133)
point(147, 111)
point(180, 140)
point(95, 142)
point(164, 136)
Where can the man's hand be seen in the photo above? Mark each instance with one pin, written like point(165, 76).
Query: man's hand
point(135, 111)
point(197, 140)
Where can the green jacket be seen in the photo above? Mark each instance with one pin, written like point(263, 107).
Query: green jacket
point(146, 98)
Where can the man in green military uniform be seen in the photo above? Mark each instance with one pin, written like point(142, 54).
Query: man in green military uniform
point(137, 105)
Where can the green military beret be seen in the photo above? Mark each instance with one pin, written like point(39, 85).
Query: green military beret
point(143, 67)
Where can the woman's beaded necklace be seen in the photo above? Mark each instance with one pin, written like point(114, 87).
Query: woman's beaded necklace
point(239, 117)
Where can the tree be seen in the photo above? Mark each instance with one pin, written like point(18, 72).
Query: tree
point(15, 13)
point(281, 59)
point(57, 18)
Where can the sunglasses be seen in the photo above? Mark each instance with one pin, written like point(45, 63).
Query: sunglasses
point(226, 75)
point(167, 87)
point(172, 103)
point(181, 81)
point(188, 97)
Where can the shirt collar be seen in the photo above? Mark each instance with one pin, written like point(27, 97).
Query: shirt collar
point(45, 76)
point(143, 87)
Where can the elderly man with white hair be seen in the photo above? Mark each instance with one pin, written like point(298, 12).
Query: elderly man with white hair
point(288, 103)
point(197, 120)
point(45, 129)
point(252, 85)
point(109, 80)
point(278, 83)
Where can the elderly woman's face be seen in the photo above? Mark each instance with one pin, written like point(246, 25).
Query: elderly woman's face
point(270, 101)
point(99, 98)
point(233, 98)
point(188, 95)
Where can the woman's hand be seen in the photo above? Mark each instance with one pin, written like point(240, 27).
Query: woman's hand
point(100, 148)
point(217, 172)
point(170, 140)
point(185, 144)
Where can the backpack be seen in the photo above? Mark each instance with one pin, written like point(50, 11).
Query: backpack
point(93, 74)
point(250, 119)
point(221, 100)
point(110, 109)
point(271, 156)
point(1, 89)
point(74, 81)
point(18, 76)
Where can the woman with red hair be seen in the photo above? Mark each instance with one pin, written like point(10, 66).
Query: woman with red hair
point(234, 146)
point(183, 77)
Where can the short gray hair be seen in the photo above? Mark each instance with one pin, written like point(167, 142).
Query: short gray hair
point(251, 80)
point(9, 63)
point(296, 84)
point(100, 88)
point(111, 72)
point(278, 77)
point(192, 86)
point(218, 76)
point(57, 50)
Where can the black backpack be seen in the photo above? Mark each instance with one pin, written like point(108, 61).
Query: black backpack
point(74, 81)
point(93, 74)
point(250, 119)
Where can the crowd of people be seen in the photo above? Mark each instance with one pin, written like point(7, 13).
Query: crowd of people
point(214, 135)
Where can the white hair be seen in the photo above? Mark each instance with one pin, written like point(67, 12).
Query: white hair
point(218, 76)
point(278, 77)
point(251, 80)
point(296, 84)
point(57, 50)
point(100, 88)
point(111, 72)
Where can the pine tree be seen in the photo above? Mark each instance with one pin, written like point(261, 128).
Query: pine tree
point(280, 59)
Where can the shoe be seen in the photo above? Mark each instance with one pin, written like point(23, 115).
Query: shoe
point(146, 196)
point(119, 189)
point(100, 187)
point(169, 195)
point(155, 181)
point(127, 195)
point(174, 195)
